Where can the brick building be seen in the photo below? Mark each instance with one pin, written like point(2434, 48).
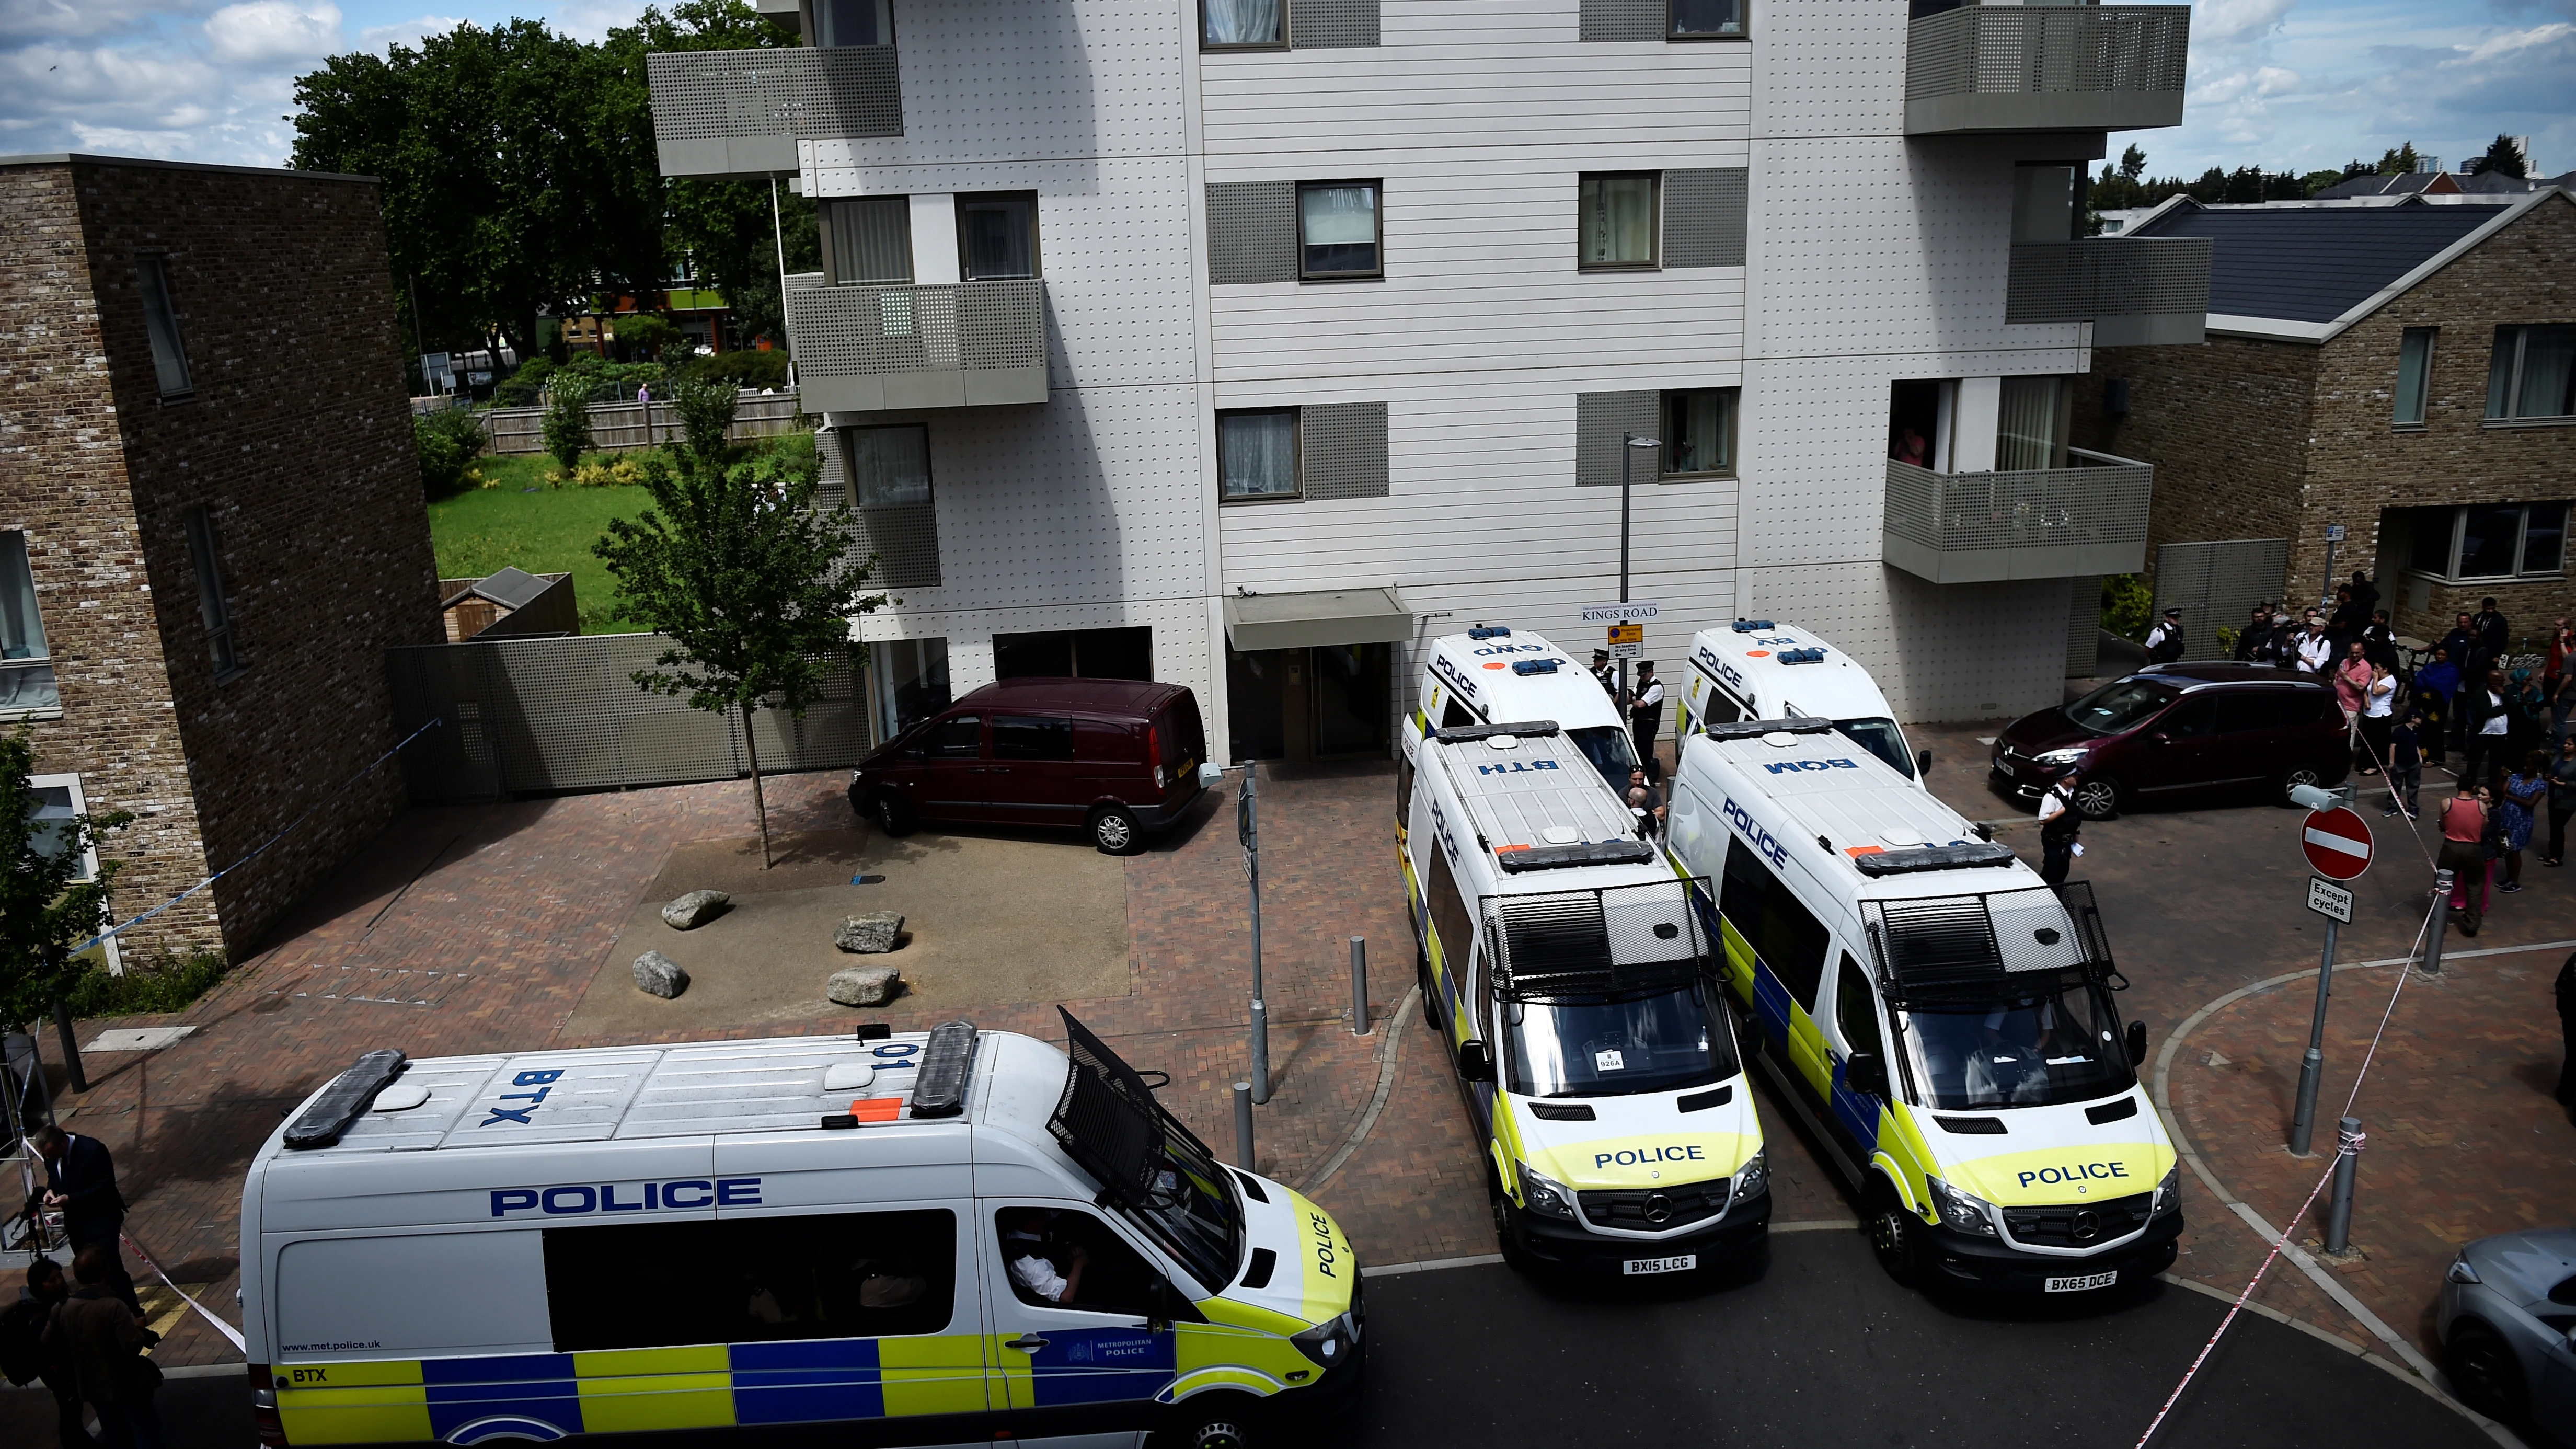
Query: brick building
point(2406, 371)
point(211, 523)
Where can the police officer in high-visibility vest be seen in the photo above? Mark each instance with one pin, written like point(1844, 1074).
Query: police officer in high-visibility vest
point(2058, 823)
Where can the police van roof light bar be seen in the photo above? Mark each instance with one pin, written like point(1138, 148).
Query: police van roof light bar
point(1535, 666)
point(1754, 626)
point(939, 1087)
point(1558, 857)
point(1495, 631)
point(1965, 856)
point(1754, 729)
point(1468, 734)
point(344, 1101)
point(1800, 656)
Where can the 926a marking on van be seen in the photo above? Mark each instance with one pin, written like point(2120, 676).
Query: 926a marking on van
point(1753, 833)
point(1322, 1227)
point(576, 1199)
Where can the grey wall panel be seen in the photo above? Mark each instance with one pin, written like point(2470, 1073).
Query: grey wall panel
point(1704, 217)
point(906, 542)
point(1331, 24)
point(1252, 231)
point(2218, 584)
point(2083, 626)
point(1623, 19)
point(1599, 419)
point(1342, 449)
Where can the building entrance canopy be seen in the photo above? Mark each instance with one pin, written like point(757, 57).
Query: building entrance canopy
point(1313, 620)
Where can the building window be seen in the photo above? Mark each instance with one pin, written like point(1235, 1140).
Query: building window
point(1115, 653)
point(890, 467)
point(161, 320)
point(2532, 375)
point(853, 22)
point(2414, 375)
point(26, 673)
point(1618, 220)
point(1257, 454)
point(1704, 20)
point(2044, 208)
point(2490, 541)
point(911, 679)
point(1337, 230)
point(1699, 433)
point(997, 236)
point(210, 594)
point(871, 240)
point(2031, 423)
point(1242, 24)
point(55, 801)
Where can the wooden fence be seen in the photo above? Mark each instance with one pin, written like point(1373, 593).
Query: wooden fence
point(618, 426)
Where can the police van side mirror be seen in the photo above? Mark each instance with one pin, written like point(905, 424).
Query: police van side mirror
point(1923, 764)
point(2137, 1042)
point(1475, 1061)
point(1866, 1072)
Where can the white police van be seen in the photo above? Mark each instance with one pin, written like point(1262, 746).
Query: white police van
point(1940, 1017)
point(1758, 669)
point(931, 1238)
point(1493, 672)
point(1579, 999)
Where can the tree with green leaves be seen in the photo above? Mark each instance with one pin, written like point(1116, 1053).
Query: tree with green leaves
point(755, 588)
point(2399, 160)
point(2503, 158)
point(45, 909)
point(567, 421)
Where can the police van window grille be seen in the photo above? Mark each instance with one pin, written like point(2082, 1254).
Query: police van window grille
point(1948, 941)
point(2032, 931)
point(1577, 943)
point(1107, 1119)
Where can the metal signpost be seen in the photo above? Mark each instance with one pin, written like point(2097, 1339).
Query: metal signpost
point(1629, 443)
point(2337, 843)
point(1247, 828)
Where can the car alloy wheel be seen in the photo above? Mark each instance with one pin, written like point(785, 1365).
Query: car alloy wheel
point(2097, 799)
point(2484, 1370)
point(2302, 775)
point(1114, 831)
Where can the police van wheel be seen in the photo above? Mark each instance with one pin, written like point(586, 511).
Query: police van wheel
point(893, 816)
point(1514, 1256)
point(1220, 1421)
point(1891, 1236)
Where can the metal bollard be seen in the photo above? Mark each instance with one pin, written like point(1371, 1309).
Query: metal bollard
point(1260, 1083)
point(1359, 986)
point(71, 1048)
point(2348, 1140)
point(2441, 920)
point(1243, 1125)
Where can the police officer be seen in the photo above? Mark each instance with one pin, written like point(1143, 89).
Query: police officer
point(2164, 642)
point(2058, 823)
point(1603, 674)
point(1645, 714)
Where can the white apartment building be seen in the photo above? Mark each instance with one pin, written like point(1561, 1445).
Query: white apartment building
point(1248, 344)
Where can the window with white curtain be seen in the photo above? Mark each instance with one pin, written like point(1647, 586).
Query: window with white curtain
point(26, 675)
point(1242, 24)
point(2414, 375)
point(1257, 454)
point(1618, 220)
point(1337, 230)
point(2532, 374)
point(2030, 424)
point(871, 240)
point(1699, 432)
point(890, 467)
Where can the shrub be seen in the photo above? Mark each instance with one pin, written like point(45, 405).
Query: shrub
point(168, 982)
point(649, 335)
point(526, 387)
point(2126, 605)
point(567, 432)
point(706, 408)
point(746, 368)
point(448, 441)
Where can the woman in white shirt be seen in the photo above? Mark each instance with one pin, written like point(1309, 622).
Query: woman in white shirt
point(2378, 711)
point(2316, 651)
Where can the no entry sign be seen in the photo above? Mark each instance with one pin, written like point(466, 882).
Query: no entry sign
point(2337, 843)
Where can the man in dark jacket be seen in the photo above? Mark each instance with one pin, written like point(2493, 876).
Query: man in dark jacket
point(105, 1341)
point(2256, 634)
point(81, 1180)
point(2495, 635)
point(2486, 723)
point(23, 1326)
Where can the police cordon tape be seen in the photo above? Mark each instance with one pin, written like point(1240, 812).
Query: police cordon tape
point(2346, 1145)
point(290, 829)
point(226, 1329)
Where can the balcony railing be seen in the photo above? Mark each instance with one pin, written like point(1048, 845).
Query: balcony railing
point(2136, 291)
point(865, 349)
point(2045, 68)
point(741, 112)
point(2035, 523)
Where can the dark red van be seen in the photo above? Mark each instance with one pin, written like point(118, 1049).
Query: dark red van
point(1116, 757)
point(2172, 729)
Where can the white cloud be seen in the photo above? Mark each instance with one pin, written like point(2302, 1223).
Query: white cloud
point(260, 32)
point(406, 32)
point(2512, 41)
point(2237, 20)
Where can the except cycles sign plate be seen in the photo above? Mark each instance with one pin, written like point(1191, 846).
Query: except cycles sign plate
point(2336, 842)
point(2330, 900)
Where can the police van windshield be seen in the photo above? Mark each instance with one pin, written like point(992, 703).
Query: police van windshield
point(2055, 1041)
point(1613, 1046)
point(2120, 704)
point(1880, 738)
point(1194, 1213)
point(1609, 750)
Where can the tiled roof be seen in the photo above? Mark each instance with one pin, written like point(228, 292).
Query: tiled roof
point(2314, 263)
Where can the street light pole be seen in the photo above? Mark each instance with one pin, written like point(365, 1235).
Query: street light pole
point(1629, 443)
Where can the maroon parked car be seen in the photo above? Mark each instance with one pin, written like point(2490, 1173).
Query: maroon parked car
point(1113, 757)
point(2173, 729)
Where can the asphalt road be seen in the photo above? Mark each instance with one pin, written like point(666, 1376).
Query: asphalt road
point(1818, 1347)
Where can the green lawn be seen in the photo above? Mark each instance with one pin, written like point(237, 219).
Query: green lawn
point(550, 531)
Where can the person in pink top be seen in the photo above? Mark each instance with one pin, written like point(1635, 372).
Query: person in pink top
point(2352, 679)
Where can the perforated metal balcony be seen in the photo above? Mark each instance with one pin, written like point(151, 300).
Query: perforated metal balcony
point(2035, 523)
point(962, 344)
point(741, 112)
point(2136, 291)
point(2045, 68)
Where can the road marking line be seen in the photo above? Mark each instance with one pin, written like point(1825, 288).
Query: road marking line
point(1390, 1052)
point(1391, 1270)
point(1821, 1225)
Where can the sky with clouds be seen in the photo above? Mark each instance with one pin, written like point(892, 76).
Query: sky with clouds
point(2283, 84)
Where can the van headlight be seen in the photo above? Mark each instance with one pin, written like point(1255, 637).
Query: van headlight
point(2169, 1191)
point(1754, 1178)
point(1545, 1195)
point(1329, 1343)
point(1962, 1211)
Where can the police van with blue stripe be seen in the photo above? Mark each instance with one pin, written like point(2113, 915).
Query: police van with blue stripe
point(1942, 1019)
point(1579, 1001)
point(1763, 669)
point(925, 1238)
